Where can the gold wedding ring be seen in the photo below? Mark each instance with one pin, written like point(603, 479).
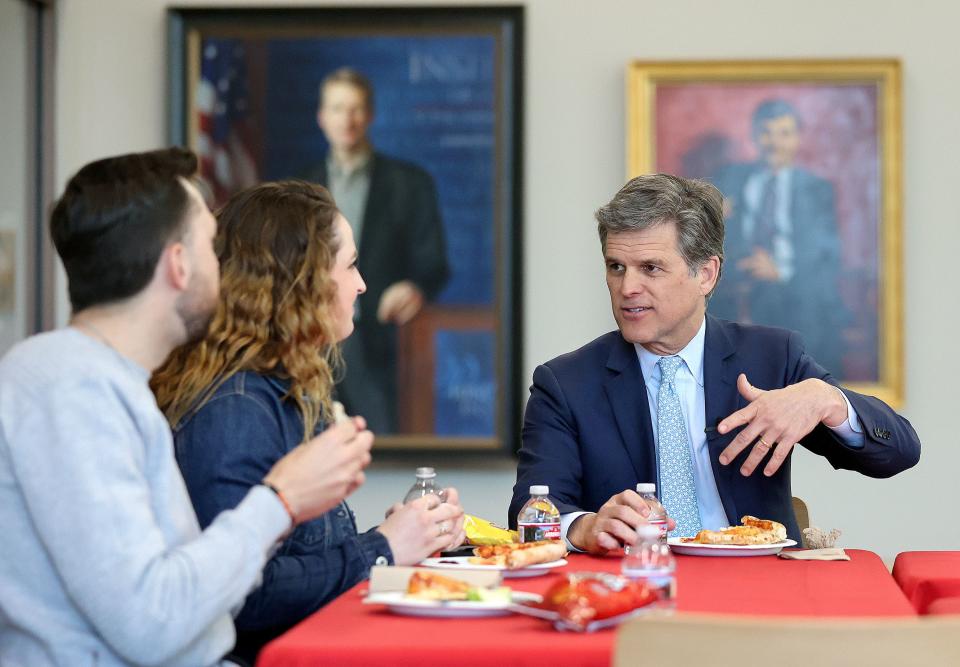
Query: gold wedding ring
point(763, 442)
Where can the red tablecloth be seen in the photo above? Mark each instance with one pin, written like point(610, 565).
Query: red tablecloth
point(348, 633)
point(926, 576)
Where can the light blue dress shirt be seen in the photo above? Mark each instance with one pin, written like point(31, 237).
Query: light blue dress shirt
point(689, 385)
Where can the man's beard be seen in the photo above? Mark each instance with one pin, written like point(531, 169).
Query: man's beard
point(196, 308)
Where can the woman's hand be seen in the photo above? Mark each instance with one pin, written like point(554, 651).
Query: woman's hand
point(422, 527)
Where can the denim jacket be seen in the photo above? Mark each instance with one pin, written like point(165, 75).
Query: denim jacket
point(227, 446)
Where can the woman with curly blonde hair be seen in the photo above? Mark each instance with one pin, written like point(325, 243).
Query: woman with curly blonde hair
point(260, 383)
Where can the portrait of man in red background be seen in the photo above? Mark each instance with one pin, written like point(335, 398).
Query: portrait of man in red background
point(799, 168)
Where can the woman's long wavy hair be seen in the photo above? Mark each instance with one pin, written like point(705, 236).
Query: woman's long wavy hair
point(276, 244)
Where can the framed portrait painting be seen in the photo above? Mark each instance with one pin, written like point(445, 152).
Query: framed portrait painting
point(807, 154)
point(433, 196)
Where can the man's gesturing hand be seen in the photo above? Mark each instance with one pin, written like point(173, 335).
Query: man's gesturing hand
point(760, 265)
point(400, 303)
point(613, 526)
point(778, 419)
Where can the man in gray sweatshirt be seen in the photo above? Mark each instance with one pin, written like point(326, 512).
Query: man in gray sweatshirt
point(103, 562)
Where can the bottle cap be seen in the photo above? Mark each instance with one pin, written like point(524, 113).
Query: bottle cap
point(646, 487)
point(426, 473)
point(539, 490)
point(648, 532)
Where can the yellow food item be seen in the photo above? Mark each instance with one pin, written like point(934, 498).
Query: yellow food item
point(481, 532)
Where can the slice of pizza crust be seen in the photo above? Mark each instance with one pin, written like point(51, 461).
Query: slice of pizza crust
point(512, 556)
point(431, 586)
point(753, 531)
point(777, 529)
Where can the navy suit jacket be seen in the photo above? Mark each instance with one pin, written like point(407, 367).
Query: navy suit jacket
point(587, 430)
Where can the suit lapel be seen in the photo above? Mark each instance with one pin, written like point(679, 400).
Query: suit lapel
point(375, 201)
point(627, 394)
point(720, 400)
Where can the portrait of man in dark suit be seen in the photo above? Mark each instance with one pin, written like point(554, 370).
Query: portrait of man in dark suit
point(413, 133)
point(393, 208)
point(782, 245)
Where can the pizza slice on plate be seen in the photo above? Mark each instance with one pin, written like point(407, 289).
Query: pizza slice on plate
point(431, 586)
point(518, 555)
point(753, 531)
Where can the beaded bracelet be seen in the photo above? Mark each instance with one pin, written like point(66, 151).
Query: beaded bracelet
point(286, 505)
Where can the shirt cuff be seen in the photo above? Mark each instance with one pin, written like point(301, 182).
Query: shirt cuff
point(783, 258)
point(566, 520)
point(265, 517)
point(270, 521)
point(851, 430)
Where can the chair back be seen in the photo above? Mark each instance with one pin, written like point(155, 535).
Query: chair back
point(732, 641)
point(803, 517)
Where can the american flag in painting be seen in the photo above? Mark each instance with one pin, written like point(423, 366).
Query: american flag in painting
point(223, 109)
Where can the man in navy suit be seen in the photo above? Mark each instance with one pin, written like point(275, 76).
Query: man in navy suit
point(718, 434)
point(393, 209)
point(782, 245)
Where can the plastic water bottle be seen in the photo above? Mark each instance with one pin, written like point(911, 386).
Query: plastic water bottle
point(539, 519)
point(426, 483)
point(652, 562)
point(658, 513)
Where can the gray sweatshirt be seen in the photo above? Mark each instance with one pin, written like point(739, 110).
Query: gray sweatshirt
point(102, 561)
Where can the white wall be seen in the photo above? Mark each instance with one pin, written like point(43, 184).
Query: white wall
point(15, 110)
point(111, 98)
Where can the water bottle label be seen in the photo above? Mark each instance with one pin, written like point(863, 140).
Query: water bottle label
point(662, 525)
point(660, 581)
point(534, 532)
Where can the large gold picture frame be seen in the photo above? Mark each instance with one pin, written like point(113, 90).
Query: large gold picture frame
point(834, 127)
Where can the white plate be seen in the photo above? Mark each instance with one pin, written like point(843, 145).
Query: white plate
point(463, 563)
point(694, 549)
point(399, 603)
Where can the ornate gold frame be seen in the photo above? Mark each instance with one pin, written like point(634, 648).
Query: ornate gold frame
point(643, 79)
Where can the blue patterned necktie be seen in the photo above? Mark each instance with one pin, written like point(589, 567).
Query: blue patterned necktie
point(678, 491)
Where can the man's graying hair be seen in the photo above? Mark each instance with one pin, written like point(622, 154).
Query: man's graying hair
point(696, 207)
